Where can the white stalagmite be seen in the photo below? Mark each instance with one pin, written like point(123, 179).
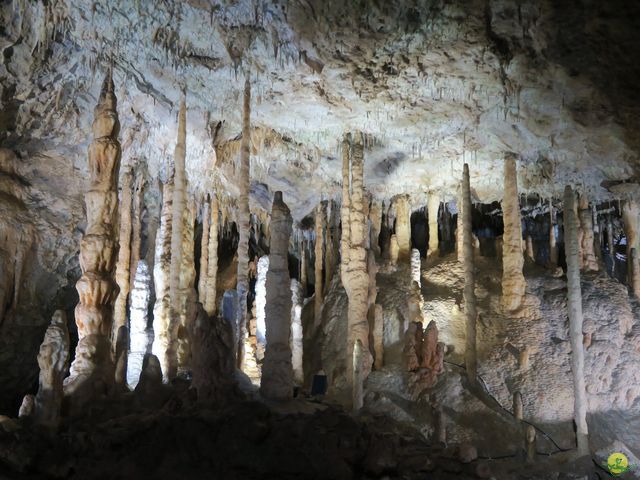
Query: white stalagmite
point(403, 228)
point(433, 206)
point(319, 253)
point(589, 261)
point(574, 308)
point(261, 300)
point(140, 294)
point(161, 273)
point(92, 370)
point(470, 311)
point(277, 369)
point(212, 260)
point(297, 301)
point(513, 283)
point(459, 247)
point(355, 277)
point(124, 254)
point(242, 287)
point(416, 266)
point(179, 207)
point(136, 226)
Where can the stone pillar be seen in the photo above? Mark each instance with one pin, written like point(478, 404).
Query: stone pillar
point(187, 296)
point(297, 345)
point(304, 275)
point(553, 245)
point(204, 253)
point(53, 360)
point(471, 313)
point(378, 336)
point(330, 244)
point(136, 225)
point(513, 283)
point(319, 252)
point(403, 228)
point(124, 255)
point(589, 260)
point(212, 260)
point(574, 308)
point(529, 249)
point(92, 369)
point(432, 213)
point(416, 266)
point(355, 277)
point(375, 219)
point(630, 216)
point(459, 228)
point(122, 348)
point(243, 226)
point(277, 370)
point(161, 274)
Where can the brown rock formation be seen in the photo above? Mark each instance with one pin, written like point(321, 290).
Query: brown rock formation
point(630, 217)
point(212, 260)
point(403, 227)
point(204, 253)
point(553, 246)
point(124, 255)
point(470, 310)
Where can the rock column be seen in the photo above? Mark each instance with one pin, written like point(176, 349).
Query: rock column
point(470, 356)
point(589, 260)
point(574, 307)
point(204, 254)
point(432, 213)
point(403, 228)
point(212, 260)
point(92, 371)
point(630, 216)
point(319, 252)
point(124, 255)
point(513, 283)
point(277, 370)
point(553, 244)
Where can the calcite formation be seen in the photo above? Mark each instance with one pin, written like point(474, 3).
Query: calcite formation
point(187, 294)
point(513, 283)
point(124, 253)
point(588, 261)
point(574, 308)
point(630, 217)
point(204, 254)
point(403, 227)
point(553, 241)
point(319, 254)
point(277, 370)
point(121, 350)
point(470, 310)
point(92, 370)
point(433, 206)
point(210, 286)
point(297, 332)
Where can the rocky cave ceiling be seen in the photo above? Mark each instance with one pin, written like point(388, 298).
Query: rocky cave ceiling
point(431, 83)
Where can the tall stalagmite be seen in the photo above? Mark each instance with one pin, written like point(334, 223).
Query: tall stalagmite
point(459, 241)
point(470, 356)
point(277, 369)
point(432, 212)
point(355, 277)
point(179, 206)
point(403, 228)
point(513, 283)
point(136, 226)
point(589, 261)
point(319, 252)
point(212, 260)
point(204, 253)
point(574, 308)
point(553, 241)
point(124, 255)
point(92, 370)
point(187, 295)
point(243, 225)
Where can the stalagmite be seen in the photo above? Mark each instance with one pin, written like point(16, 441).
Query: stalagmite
point(136, 225)
point(635, 272)
point(518, 411)
point(243, 225)
point(124, 255)
point(529, 249)
point(589, 260)
point(186, 292)
point(378, 336)
point(277, 370)
point(403, 228)
point(630, 218)
point(394, 250)
point(470, 356)
point(513, 283)
point(345, 208)
point(330, 244)
point(553, 246)
point(355, 277)
point(459, 228)
point(53, 360)
point(161, 274)
point(375, 219)
point(297, 302)
point(416, 266)
point(304, 275)
point(319, 252)
point(530, 441)
point(574, 307)
point(122, 347)
point(433, 206)
point(212, 259)
point(204, 254)
point(138, 334)
point(92, 369)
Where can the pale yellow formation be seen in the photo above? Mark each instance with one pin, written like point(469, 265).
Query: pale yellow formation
point(433, 206)
point(212, 259)
point(124, 254)
point(403, 228)
point(589, 261)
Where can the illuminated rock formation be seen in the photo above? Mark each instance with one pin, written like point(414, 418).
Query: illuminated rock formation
point(277, 370)
point(513, 283)
point(212, 260)
point(553, 244)
point(204, 253)
point(122, 348)
point(470, 311)
point(297, 344)
point(630, 218)
point(92, 370)
point(319, 254)
point(186, 293)
point(403, 227)
point(433, 206)
point(589, 261)
point(124, 254)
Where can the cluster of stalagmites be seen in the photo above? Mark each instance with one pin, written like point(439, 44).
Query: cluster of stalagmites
point(424, 355)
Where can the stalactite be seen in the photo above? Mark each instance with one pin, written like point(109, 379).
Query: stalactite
point(630, 217)
point(553, 244)
point(124, 255)
point(136, 225)
point(319, 253)
point(92, 370)
point(433, 206)
point(513, 283)
point(243, 225)
point(471, 313)
point(161, 275)
point(355, 278)
point(212, 261)
point(177, 222)
point(403, 228)
point(204, 254)
point(574, 307)
point(589, 261)
point(277, 369)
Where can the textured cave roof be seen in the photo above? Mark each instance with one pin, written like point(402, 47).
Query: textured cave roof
point(431, 83)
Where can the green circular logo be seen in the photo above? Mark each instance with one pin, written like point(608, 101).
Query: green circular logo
point(618, 463)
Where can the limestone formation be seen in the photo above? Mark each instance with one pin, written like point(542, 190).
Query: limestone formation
point(394, 250)
point(513, 283)
point(630, 218)
point(136, 225)
point(27, 407)
point(297, 345)
point(212, 259)
point(330, 243)
point(574, 308)
point(177, 222)
point(277, 370)
point(243, 225)
point(416, 266)
point(433, 206)
point(53, 360)
point(553, 246)
point(589, 261)
point(470, 310)
point(403, 227)
point(518, 411)
point(355, 278)
point(375, 223)
point(378, 336)
point(92, 370)
point(530, 442)
point(151, 377)
point(459, 227)
point(124, 254)
point(204, 254)
point(319, 253)
point(122, 347)
point(187, 295)
point(529, 249)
